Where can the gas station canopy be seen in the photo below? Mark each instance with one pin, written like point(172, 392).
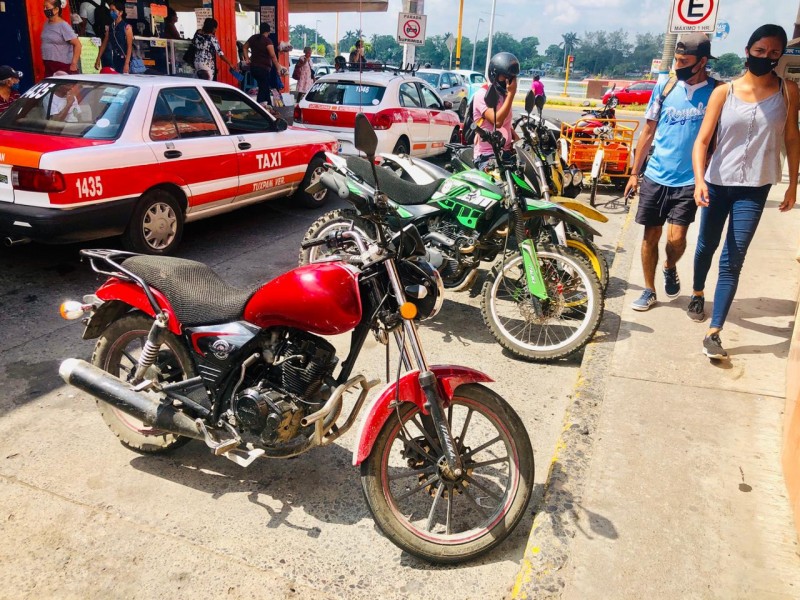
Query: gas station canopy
point(299, 6)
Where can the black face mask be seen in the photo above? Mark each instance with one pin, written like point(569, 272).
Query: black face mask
point(686, 72)
point(49, 12)
point(501, 86)
point(760, 65)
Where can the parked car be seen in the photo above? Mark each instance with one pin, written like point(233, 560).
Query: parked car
point(473, 80)
point(407, 114)
point(90, 156)
point(638, 92)
point(449, 86)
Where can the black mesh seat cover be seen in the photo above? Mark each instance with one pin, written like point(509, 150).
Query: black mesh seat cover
point(399, 190)
point(197, 294)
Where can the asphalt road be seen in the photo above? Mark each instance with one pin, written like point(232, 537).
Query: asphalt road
point(84, 517)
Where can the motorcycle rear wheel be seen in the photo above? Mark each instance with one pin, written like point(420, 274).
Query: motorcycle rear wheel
point(343, 219)
point(116, 352)
point(450, 520)
point(564, 323)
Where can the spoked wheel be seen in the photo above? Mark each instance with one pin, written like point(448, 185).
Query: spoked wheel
point(425, 510)
point(589, 252)
point(336, 220)
point(117, 352)
point(541, 330)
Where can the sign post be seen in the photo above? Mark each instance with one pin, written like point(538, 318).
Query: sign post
point(411, 29)
point(450, 42)
point(570, 60)
point(690, 16)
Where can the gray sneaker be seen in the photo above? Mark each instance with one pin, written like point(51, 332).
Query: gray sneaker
point(645, 301)
point(696, 309)
point(712, 347)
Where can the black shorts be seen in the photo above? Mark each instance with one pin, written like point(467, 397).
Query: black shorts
point(660, 203)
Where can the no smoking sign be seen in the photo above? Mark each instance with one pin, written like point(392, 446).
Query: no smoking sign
point(694, 15)
point(411, 29)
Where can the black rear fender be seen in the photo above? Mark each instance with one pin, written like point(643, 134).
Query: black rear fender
point(106, 313)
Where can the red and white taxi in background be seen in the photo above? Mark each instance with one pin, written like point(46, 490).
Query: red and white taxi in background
point(84, 157)
point(407, 114)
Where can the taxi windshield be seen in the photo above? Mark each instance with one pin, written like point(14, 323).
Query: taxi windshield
point(345, 93)
point(84, 109)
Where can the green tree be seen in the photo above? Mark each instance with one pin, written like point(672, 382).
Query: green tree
point(553, 55)
point(569, 44)
point(528, 51)
point(729, 64)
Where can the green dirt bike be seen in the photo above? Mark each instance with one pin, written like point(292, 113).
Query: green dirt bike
point(541, 303)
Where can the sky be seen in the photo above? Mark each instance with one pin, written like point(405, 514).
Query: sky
point(548, 20)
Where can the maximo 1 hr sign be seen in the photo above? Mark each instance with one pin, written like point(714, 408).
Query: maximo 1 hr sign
point(694, 15)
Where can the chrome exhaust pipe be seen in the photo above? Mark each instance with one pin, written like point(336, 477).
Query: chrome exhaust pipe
point(145, 406)
point(12, 241)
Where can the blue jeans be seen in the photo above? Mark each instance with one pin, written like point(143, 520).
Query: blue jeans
point(744, 205)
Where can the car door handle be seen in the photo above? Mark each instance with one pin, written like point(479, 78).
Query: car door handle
point(172, 154)
point(244, 146)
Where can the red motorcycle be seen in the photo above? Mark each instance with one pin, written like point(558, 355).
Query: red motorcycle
point(446, 464)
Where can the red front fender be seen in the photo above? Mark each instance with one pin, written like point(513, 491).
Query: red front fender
point(449, 378)
point(133, 295)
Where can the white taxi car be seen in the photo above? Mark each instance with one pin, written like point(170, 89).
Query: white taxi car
point(84, 157)
point(407, 114)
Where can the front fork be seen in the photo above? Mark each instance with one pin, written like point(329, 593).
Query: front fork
point(530, 260)
point(434, 402)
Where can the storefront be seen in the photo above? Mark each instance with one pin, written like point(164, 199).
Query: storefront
point(21, 22)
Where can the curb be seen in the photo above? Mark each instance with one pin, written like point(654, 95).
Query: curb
point(548, 549)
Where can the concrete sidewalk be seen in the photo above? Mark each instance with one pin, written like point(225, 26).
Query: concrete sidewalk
point(667, 480)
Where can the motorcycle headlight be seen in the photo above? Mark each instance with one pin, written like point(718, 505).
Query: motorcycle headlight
point(423, 286)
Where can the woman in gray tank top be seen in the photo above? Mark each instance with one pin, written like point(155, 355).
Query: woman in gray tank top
point(753, 117)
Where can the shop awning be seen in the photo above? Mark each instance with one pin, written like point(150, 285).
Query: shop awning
point(298, 6)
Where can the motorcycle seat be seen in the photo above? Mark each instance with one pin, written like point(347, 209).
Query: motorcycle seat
point(399, 190)
point(467, 155)
point(197, 294)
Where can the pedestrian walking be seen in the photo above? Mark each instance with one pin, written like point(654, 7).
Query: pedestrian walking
point(753, 117)
point(61, 48)
point(302, 74)
point(666, 188)
point(259, 53)
point(537, 86)
point(117, 43)
point(9, 87)
point(207, 49)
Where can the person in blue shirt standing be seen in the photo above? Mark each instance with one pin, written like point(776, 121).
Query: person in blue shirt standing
point(666, 188)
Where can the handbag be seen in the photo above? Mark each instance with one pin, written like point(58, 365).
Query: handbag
point(137, 66)
point(296, 71)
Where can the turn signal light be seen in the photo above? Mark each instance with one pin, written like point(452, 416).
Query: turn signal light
point(37, 180)
point(297, 115)
point(71, 310)
point(408, 310)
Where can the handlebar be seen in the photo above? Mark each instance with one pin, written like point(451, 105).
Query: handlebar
point(337, 239)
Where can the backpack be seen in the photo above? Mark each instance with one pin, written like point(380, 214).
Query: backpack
point(102, 18)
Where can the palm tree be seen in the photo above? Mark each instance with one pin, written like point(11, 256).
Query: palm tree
point(570, 41)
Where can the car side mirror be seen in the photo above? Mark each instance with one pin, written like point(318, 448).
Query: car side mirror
point(529, 102)
point(445, 86)
point(365, 138)
point(448, 105)
point(280, 124)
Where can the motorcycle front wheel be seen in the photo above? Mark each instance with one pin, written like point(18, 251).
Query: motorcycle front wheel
point(117, 352)
point(440, 518)
point(344, 219)
point(542, 330)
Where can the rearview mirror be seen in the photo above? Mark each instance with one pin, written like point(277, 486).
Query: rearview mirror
point(539, 102)
point(280, 124)
point(529, 102)
point(364, 138)
point(445, 86)
point(448, 105)
point(492, 97)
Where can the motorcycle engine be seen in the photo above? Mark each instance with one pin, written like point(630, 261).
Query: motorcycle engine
point(270, 411)
point(446, 241)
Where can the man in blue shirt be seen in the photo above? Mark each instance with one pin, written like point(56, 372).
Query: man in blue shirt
point(666, 188)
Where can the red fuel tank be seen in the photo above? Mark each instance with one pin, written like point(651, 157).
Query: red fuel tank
point(322, 298)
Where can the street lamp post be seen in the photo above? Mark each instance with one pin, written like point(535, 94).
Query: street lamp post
point(475, 45)
point(491, 33)
point(316, 34)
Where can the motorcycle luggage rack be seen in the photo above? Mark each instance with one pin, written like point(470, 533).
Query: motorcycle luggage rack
point(111, 257)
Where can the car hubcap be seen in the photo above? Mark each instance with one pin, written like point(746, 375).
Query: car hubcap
point(320, 195)
point(160, 225)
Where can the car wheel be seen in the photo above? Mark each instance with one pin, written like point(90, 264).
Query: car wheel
point(315, 169)
point(402, 147)
point(156, 226)
point(462, 109)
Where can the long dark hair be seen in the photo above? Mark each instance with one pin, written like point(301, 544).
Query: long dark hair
point(767, 31)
